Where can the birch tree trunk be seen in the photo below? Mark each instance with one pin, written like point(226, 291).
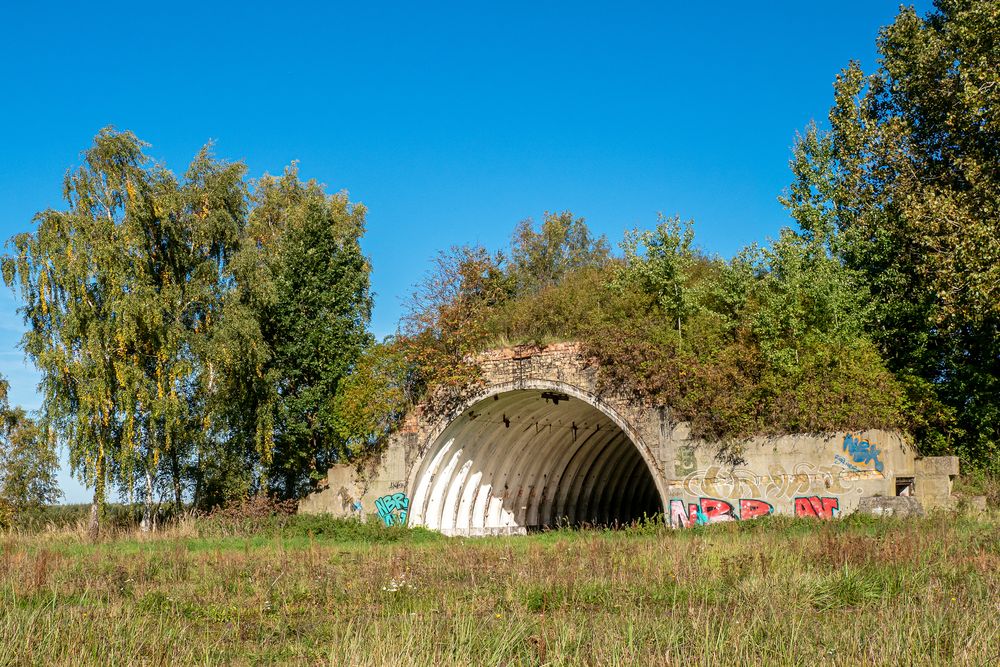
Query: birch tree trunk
point(147, 510)
point(95, 507)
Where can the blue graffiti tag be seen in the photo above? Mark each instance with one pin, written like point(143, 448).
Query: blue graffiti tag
point(841, 461)
point(862, 451)
point(393, 508)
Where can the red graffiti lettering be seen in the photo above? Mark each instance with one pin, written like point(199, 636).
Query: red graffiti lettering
point(716, 511)
point(815, 506)
point(751, 509)
point(713, 510)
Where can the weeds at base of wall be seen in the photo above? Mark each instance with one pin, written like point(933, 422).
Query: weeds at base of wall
point(979, 483)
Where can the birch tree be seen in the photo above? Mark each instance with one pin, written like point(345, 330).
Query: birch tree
point(118, 289)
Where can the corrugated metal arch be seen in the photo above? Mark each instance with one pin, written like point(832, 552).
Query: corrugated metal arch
point(515, 459)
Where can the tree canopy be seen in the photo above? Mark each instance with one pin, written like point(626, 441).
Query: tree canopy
point(191, 333)
point(772, 341)
point(904, 186)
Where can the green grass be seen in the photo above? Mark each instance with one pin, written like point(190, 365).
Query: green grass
point(314, 591)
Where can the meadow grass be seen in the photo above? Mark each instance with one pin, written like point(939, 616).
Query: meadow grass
point(313, 591)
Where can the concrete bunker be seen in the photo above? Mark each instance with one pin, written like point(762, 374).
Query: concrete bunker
point(527, 459)
point(540, 441)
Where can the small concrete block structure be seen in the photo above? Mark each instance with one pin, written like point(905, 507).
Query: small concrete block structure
point(935, 477)
point(898, 506)
point(542, 442)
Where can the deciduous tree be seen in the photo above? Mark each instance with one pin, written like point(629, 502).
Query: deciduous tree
point(28, 462)
point(906, 184)
point(118, 290)
point(296, 323)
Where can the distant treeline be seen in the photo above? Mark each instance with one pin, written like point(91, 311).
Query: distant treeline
point(207, 336)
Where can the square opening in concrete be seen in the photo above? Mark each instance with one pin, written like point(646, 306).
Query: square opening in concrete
point(904, 486)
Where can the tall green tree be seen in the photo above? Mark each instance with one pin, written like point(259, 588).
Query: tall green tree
point(906, 184)
point(71, 273)
point(297, 322)
point(188, 231)
point(659, 261)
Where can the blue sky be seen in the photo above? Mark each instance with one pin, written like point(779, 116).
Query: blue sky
point(450, 121)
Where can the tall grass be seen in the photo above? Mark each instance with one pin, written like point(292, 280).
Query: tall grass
point(315, 591)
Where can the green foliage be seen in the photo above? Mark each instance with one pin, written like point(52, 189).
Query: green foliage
point(561, 245)
point(28, 463)
point(448, 316)
point(190, 335)
point(118, 291)
point(562, 311)
point(293, 325)
point(804, 292)
point(773, 341)
point(316, 325)
point(374, 399)
point(905, 189)
point(660, 263)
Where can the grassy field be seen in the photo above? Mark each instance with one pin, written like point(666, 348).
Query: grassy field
point(312, 591)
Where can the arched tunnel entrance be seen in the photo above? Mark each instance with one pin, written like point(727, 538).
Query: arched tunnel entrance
point(528, 459)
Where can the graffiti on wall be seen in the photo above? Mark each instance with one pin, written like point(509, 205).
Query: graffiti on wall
point(393, 508)
point(842, 461)
point(778, 483)
point(817, 507)
point(751, 508)
point(863, 452)
point(713, 510)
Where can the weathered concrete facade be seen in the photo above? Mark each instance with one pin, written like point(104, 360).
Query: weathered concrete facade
point(541, 444)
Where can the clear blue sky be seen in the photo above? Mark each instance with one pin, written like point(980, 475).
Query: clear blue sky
point(450, 121)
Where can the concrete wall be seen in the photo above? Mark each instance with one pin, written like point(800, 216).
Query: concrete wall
point(502, 460)
point(823, 475)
